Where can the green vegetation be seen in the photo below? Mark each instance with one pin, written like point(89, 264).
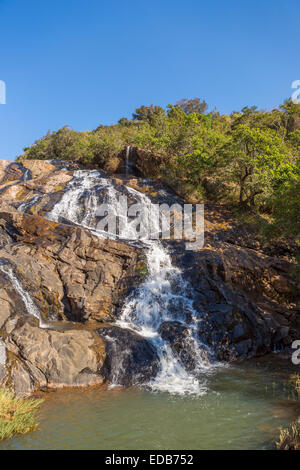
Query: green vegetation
point(17, 415)
point(249, 158)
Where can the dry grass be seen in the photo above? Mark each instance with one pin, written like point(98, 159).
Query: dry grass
point(17, 415)
point(295, 379)
point(289, 439)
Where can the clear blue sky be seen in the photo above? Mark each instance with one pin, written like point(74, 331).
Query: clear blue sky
point(82, 63)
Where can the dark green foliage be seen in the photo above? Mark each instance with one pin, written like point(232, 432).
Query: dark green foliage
point(147, 113)
point(193, 106)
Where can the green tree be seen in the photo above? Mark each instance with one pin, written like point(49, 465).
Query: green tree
point(257, 160)
point(290, 115)
point(286, 210)
point(194, 105)
point(146, 113)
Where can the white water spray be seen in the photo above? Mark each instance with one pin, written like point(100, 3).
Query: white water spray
point(2, 353)
point(79, 203)
point(128, 149)
point(27, 205)
point(27, 300)
point(164, 295)
point(27, 175)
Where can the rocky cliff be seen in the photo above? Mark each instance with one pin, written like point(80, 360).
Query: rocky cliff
point(61, 284)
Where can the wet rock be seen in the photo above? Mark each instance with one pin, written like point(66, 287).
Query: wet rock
point(179, 338)
point(130, 358)
point(243, 347)
point(282, 336)
point(239, 331)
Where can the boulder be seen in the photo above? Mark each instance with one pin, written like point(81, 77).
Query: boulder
point(42, 358)
point(178, 336)
point(130, 358)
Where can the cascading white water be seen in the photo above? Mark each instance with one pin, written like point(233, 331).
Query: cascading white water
point(73, 206)
point(128, 148)
point(27, 300)
point(26, 205)
point(162, 297)
point(2, 353)
point(27, 175)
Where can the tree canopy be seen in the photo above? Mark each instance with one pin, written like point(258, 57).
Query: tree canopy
point(250, 157)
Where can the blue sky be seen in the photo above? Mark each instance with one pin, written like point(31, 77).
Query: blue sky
point(82, 64)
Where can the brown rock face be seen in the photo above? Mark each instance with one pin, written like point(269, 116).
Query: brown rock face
point(140, 163)
point(37, 358)
point(246, 300)
point(37, 180)
point(70, 273)
point(240, 291)
point(57, 359)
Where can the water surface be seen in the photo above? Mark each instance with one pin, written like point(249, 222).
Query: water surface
point(244, 407)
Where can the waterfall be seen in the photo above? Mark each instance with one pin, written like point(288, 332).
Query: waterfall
point(2, 353)
point(163, 296)
point(27, 205)
point(27, 175)
point(79, 203)
point(27, 300)
point(128, 149)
